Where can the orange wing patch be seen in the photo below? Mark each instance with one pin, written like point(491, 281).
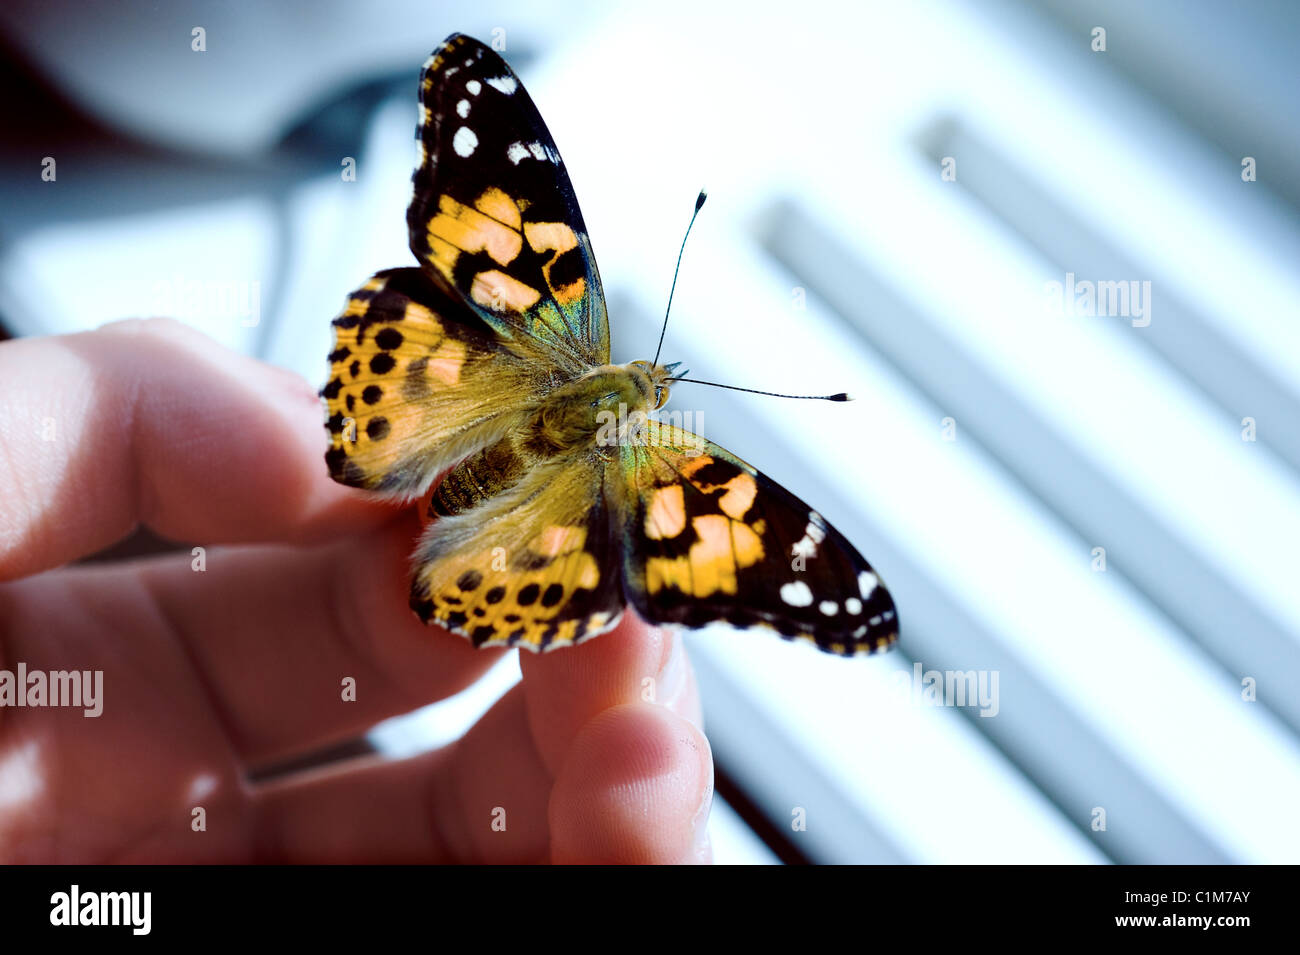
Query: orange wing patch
point(720, 544)
point(722, 547)
point(499, 292)
point(556, 238)
point(458, 229)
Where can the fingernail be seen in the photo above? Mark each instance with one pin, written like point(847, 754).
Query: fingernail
point(671, 679)
point(701, 846)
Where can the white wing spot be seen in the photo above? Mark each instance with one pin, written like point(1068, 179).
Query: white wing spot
point(464, 142)
point(867, 582)
point(813, 534)
point(516, 152)
point(505, 84)
point(538, 151)
point(816, 528)
point(829, 607)
point(473, 86)
point(853, 605)
point(796, 594)
point(462, 108)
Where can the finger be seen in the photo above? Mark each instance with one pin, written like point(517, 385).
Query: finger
point(359, 811)
point(633, 662)
point(301, 647)
point(150, 421)
point(482, 800)
point(635, 788)
point(292, 647)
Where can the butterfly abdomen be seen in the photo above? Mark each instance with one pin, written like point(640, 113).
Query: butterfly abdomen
point(480, 476)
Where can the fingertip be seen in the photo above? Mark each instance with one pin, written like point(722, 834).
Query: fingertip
point(566, 687)
point(635, 788)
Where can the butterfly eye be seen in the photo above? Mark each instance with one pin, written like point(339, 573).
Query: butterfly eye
point(661, 395)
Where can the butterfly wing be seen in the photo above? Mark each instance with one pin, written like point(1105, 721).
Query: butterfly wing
point(707, 538)
point(493, 215)
point(417, 382)
point(532, 566)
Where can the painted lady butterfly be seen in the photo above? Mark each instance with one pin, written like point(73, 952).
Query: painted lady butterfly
point(564, 501)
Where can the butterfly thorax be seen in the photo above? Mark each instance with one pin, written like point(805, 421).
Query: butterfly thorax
point(596, 410)
point(596, 413)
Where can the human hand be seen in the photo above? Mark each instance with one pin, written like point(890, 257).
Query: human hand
point(210, 673)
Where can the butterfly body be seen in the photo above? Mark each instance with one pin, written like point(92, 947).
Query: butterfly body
point(590, 415)
point(562, 499)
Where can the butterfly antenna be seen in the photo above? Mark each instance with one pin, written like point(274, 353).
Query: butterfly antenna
point(838, 396)
point(699, 203)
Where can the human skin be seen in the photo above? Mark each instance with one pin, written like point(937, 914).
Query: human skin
point(210, 674)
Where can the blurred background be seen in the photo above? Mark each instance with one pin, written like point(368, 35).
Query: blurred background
point(1087, 508)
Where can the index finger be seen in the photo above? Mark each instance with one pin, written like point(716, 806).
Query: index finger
point(148, 421)
point(634, 662)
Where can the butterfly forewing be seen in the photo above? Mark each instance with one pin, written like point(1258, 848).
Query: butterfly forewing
point(708, 539)
point(493, 212)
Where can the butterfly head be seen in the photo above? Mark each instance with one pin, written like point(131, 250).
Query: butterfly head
point(653, 380)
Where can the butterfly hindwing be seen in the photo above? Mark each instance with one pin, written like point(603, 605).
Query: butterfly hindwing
point(709, 539)
point(417, 382)
point(493, 213)
point(533, 566)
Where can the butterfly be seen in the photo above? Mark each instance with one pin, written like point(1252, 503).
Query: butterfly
point(563, 500)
